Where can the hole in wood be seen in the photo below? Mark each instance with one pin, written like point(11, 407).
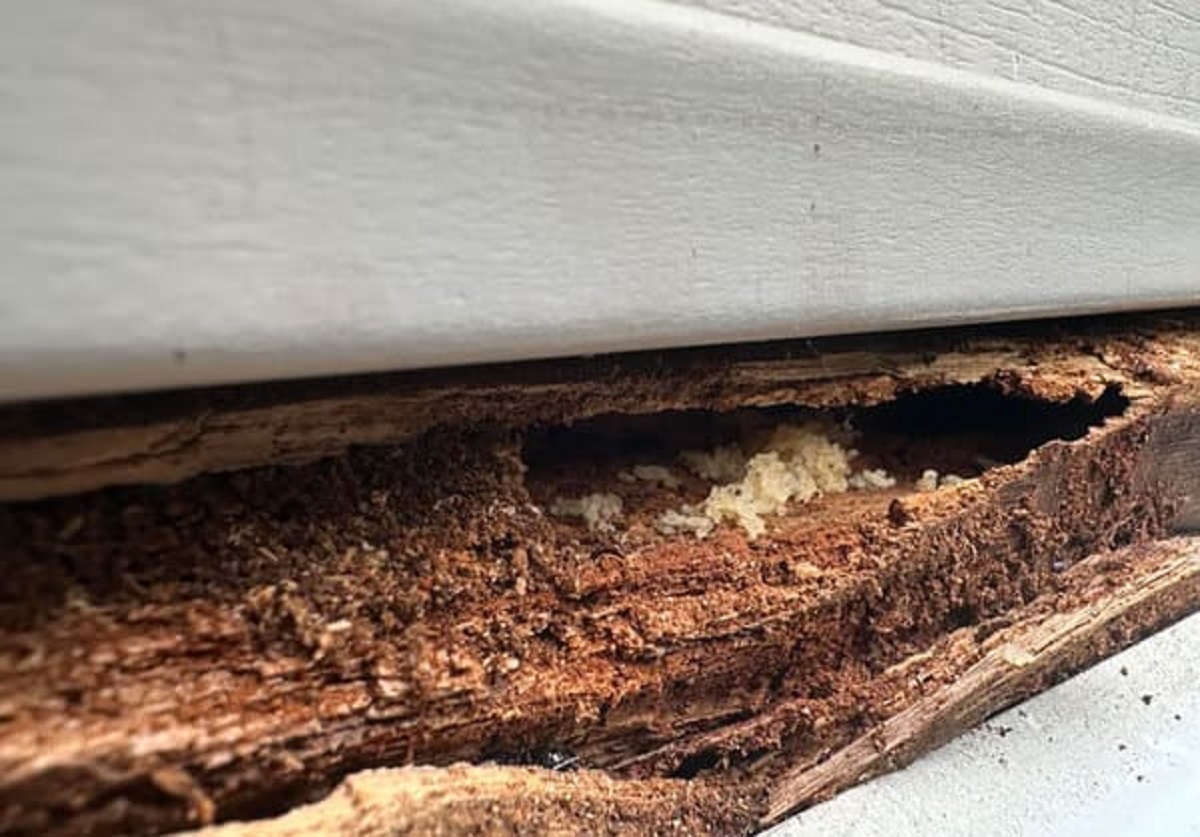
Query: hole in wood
point(639, 470)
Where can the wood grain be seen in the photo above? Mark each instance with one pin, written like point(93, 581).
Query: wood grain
point(1040, 646)
point(1019, 661)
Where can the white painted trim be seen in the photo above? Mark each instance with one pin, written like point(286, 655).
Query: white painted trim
point(213, 192)
point(1142, 53)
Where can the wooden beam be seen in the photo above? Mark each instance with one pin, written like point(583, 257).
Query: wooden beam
point(232, 645)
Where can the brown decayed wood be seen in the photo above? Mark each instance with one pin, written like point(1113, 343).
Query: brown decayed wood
point(513, 801)
point(969, 675)
point(234, 645)
point(1114, 599)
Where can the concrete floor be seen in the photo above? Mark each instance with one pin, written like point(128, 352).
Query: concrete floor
point(1114, 751)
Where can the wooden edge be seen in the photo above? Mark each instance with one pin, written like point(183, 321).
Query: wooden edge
point(510, 800)
point(1020, 661)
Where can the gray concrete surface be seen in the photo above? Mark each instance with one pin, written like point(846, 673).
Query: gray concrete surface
point(1114, 751)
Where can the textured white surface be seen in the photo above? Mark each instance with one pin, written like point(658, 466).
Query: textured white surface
point(1144, 53)
point(197, 192)
point(1089, 758)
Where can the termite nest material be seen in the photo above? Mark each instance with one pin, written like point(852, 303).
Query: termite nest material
point(744, 467)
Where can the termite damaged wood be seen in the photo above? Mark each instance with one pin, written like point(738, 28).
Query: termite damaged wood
point(1040, 646)
point(232, 645)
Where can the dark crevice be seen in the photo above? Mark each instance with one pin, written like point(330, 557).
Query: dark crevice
point(1006, 426)
point(695, 764)
point(962, 429)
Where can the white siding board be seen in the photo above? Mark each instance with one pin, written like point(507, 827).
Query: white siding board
point(1137, 52)
point(205, 192)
